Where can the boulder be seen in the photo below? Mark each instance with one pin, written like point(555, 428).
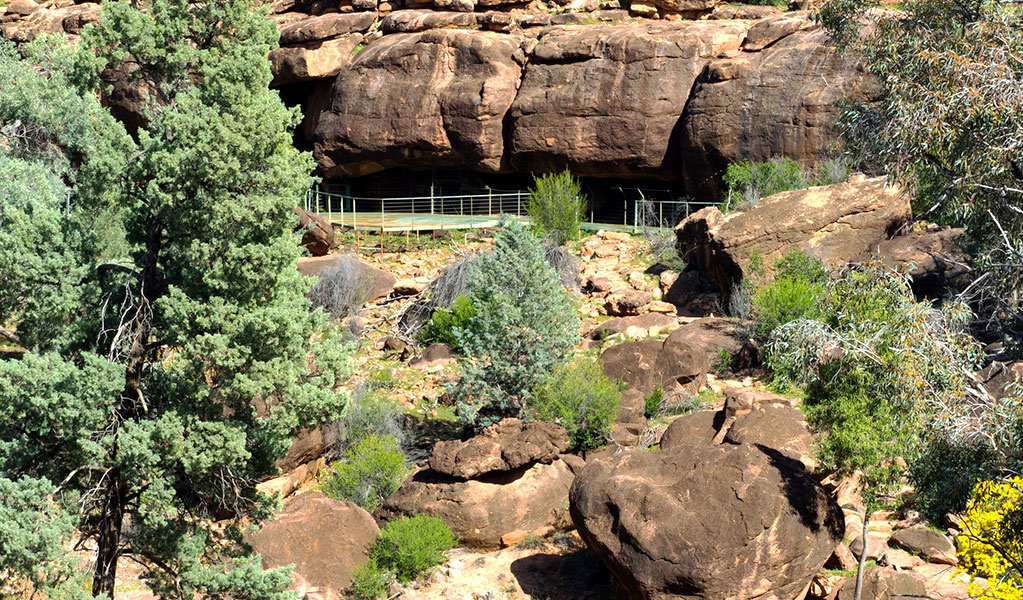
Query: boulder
point(842, 559)
point(931, 545)
point(1002, 379)
point(326, 540)
point(709, 337)
point(876, 546)
point(409, 21)
point(635, 363)
point(836, 224)
point(782, 100)
point(767, 31)
point(598, 285)
point(375, 282)
point(504, 446)
point(780, 427)
point(430, 99)
point(719, 522)
point(933, 257)
point(312, 60)
point(631, 407)
point(606, 99)
point(631, 302)
point(884, 584)
point(325, 27)
point(433, 355)
point(317, 232)
point(482, 511)
point(695, 429)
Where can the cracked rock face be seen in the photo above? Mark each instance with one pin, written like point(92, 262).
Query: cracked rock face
point(711, 522)
point(836, 224)
point(606, 99)
point(430, 99)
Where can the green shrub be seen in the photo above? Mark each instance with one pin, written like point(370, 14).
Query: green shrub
point(652, 403)
point(368, 472)
point(883, 374)
point(580, 398)
point(370, 412)
point(749, 181)
point(524, 326)
point(411, 546)
point(369, 582)
point(442, 325)
point(557, 206)
point(795, 293)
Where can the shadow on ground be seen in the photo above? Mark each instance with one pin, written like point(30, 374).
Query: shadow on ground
point(578, 575)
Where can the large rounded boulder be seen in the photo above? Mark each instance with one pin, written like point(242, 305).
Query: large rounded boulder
point(711, 522)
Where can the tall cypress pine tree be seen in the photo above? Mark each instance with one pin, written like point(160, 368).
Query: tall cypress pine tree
point(162, 382)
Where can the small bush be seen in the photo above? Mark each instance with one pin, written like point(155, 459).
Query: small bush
point(442, 325)
point(563, 263)
point(749, 181)
point(557, 206)
point(652, 403)
point(370, 413)
point(580, 398)
point(344, 288)
point(369, 582)
point(662, 247)
point(795, 293)
point(368, 472)
point(411, 546)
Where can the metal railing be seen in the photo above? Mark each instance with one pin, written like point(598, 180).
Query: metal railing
point(469, 211)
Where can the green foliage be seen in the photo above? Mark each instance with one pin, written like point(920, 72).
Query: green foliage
point(580, 398)
point(370, 412)
point(947, 124)
point(368, 472)
point(34, 533)
point(794, 293)
point(410, 546)
point(880, 369)
point(161, 386)
point(557, 206)
point(652, 403)
point(749, 181)
point(524, 326)
point(442, 325)
point(369, 582)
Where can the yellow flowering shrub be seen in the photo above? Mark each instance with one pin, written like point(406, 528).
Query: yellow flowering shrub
point(991, 545)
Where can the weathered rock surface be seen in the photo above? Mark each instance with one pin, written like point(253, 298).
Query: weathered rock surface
point(504, 446)
point(374, 282)
point(884, 584)
point(836, 224)
point(678, 363)
point(606, 99)
point(312, 60)
point(325, 539)
point(482, 511)
point(716, 522)
point(778, 101)
point(1002, 379)
point(429, 99)
point(433, 355)
point(695, 429)
point(317, 232)
point(618, 325)
point(930, 544)
point(935, 256)
point(780, 427)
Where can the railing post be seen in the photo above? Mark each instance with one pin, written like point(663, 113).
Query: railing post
point(660, 215)
point(490, 201)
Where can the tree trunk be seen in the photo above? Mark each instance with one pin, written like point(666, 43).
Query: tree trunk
point(109, 540)
point(130, 408)
point(863, 556)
